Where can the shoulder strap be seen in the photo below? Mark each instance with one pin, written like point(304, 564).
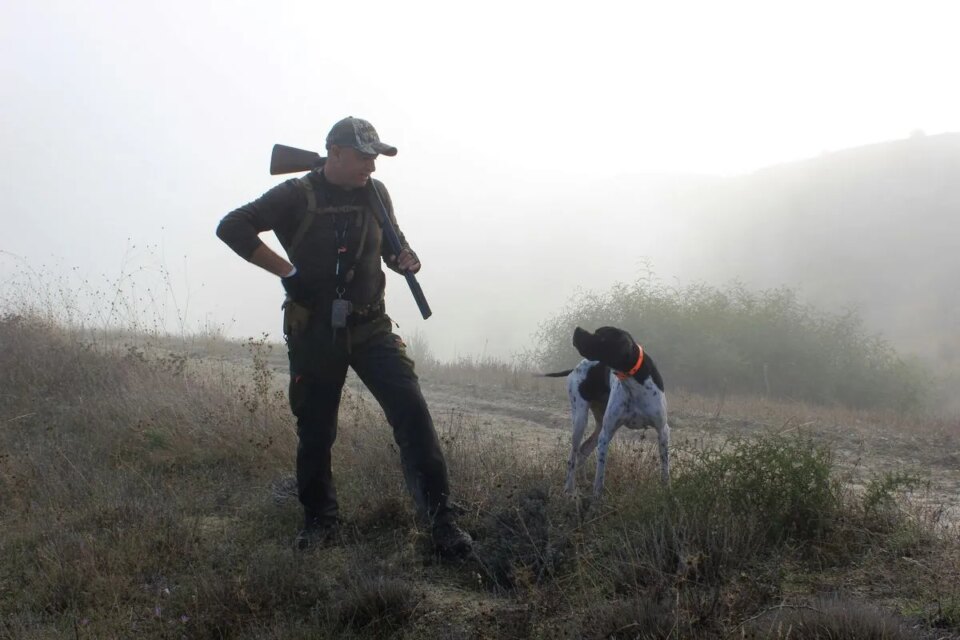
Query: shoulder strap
point(307, 187)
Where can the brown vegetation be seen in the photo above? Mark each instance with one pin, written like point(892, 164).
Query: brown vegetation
point(145, 493)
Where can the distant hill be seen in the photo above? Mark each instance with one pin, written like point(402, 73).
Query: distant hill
point(875, 228)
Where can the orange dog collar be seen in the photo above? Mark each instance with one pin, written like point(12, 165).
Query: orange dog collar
point(623, 376)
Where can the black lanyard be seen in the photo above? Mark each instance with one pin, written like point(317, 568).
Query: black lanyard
point(345, 276)
point(341, 245)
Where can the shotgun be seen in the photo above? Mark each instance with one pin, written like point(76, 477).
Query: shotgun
point(286, 159)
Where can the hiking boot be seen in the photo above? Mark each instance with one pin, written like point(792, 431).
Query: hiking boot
point(318, 533)
point(451, 541)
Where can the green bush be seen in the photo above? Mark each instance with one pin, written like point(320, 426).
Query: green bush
point(785, 485)
point(881, 490)
point(731, 340)
point(727, 508)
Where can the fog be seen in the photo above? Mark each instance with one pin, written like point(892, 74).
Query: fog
point(545, 149)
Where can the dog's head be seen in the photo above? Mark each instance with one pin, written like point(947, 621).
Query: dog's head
point(608, 345)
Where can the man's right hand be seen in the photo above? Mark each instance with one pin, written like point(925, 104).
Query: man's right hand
point(294, 286)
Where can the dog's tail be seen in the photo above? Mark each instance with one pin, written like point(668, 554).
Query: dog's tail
point(557, 374)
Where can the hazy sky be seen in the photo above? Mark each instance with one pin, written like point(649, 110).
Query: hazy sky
point(524, 129)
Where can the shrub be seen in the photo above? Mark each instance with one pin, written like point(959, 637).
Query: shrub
point(731, 340)
point(785, 484)
point(374, 603)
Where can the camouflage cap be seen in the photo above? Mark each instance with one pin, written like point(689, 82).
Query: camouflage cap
point(359, 134)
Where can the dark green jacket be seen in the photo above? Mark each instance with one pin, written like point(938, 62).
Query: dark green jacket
point(337, 225)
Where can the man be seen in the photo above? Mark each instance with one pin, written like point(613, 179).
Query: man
point(334, 317)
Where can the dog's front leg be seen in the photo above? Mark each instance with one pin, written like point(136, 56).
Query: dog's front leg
point(579, 410)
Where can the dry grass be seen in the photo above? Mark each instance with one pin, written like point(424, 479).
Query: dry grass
point(142, 495)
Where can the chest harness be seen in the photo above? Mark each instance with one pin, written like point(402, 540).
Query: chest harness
point(344, 274)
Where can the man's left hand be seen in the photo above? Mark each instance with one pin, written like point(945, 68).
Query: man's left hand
point(408, 261)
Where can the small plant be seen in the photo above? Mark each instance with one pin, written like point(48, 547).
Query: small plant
point(947, 615)
point(522, 546)
point(374, 603)
point(263, 397)
point(881, 491)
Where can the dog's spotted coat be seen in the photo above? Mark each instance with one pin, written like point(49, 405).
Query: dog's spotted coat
point(636, 401)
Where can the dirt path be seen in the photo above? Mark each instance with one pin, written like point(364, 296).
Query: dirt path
point(529, 417)
point(863, 448)
point(536, 412)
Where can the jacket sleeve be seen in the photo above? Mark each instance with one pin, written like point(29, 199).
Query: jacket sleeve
point(386, 251)
point(273, 210)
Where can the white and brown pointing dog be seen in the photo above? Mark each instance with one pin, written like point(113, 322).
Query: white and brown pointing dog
point(621, 386)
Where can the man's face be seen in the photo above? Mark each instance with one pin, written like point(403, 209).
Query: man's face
point(351, 168)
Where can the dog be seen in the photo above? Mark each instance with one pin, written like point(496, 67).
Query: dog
point(619, 384)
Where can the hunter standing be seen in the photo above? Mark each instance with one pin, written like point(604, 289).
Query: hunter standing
point(334, 318)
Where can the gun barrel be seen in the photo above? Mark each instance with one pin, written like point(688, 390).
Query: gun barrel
point(394, 241)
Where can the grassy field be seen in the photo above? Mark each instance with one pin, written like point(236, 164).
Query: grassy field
point(145, 492)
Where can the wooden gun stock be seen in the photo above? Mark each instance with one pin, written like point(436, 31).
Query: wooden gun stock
point(286, 159)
